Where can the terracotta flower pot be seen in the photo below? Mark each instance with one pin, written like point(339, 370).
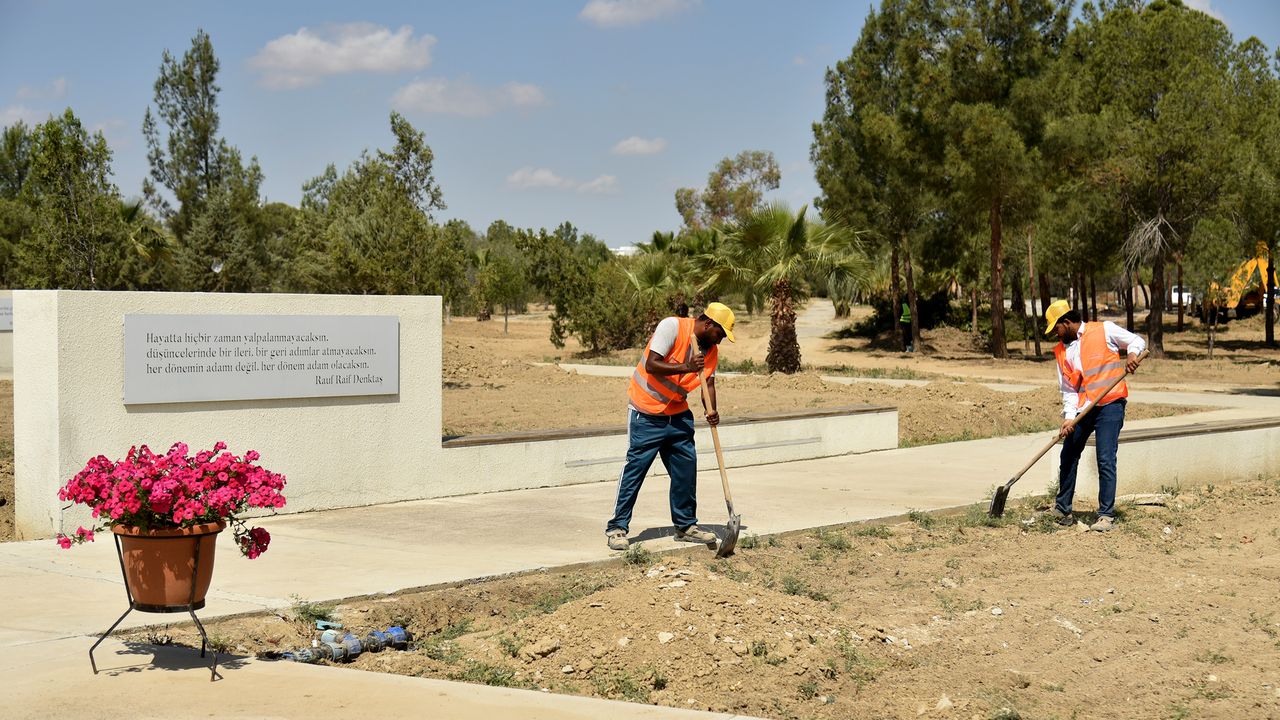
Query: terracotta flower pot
point(160, 566)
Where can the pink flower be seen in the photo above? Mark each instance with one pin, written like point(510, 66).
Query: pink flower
point(175, 489)
point(254, 542)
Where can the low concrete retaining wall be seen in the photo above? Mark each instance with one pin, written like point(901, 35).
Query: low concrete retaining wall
point(1192, 454)
point(511, 461)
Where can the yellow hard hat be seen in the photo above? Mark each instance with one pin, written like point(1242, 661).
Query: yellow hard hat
point(1055, 310)
point(723, 317)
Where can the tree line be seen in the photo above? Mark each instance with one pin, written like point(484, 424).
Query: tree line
point(965, 144)
point(201, 225)
point(984, 142)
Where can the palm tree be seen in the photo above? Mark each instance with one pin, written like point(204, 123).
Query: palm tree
point(481, 261)
point(653, 278)
point(148, 253)
point(667, 271)
point(773, 251)
point(146, 237)
point(662, 243)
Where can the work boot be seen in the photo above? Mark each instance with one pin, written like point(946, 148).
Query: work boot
point(1104, 524)
point(1061, 518)
point(617, 539)
point(695, 534)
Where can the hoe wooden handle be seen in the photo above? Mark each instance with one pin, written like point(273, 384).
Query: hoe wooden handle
point(715, 440)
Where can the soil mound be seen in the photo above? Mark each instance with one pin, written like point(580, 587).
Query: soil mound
point(952, 615)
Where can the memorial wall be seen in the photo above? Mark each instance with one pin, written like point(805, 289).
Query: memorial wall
point(340, 393)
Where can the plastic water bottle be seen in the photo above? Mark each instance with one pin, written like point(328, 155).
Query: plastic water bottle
point(304, 655)
point(353, 646)
point(333, 651)
point(398, 637)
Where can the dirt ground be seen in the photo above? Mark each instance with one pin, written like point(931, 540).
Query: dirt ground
point(1171, 615)
point(498, 381)
point(484, 394)
point(1240, 358)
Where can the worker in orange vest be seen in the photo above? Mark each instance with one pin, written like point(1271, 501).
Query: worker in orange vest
point(1088, 357)
point(659, 422)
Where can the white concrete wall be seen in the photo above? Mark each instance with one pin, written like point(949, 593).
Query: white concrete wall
point(497, 463)
point(336, 452)
point(1186, 460)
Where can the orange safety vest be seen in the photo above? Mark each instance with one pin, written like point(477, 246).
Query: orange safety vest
point(1099, 366)
point(666, 394)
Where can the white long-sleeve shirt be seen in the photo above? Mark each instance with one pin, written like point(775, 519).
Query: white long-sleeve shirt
point(1117, 339)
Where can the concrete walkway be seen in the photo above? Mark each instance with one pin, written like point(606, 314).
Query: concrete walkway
point(52, 602)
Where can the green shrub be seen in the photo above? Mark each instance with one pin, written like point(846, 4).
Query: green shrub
point(486, 674)
point(746, 366)
point(794, 586)
point(832, 540)
point(455, 630)
point(568, 592)
point(934, 310)
point(620, 683)
point(637, 554)
point(510, 645)
point(961, 316)
point(305, 611)
point(921, 518)
point(604, 312)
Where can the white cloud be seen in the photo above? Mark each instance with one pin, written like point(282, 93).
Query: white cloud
point(603, 185)
point(55, 90)
point(527, 178)
point(620, 13)
point(1206, 7)
point(12, 114)
point(531, 178)
point(799, 60)
point(460, 97)
point(522, 95)
point(307, 56)
point(639, 146)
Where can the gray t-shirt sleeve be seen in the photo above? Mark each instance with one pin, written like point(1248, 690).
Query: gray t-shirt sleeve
point(664, 337)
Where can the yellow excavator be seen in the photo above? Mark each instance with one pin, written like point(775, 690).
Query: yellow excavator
point(1243, 295)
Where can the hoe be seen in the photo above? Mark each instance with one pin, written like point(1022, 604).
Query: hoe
point(730, 540)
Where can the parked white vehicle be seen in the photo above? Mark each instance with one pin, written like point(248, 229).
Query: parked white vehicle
point(1184, 294)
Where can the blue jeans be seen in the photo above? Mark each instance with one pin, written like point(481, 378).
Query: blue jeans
point(1104, 423)
point(649, 436)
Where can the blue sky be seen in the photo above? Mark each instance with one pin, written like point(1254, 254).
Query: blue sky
point(591, 111)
